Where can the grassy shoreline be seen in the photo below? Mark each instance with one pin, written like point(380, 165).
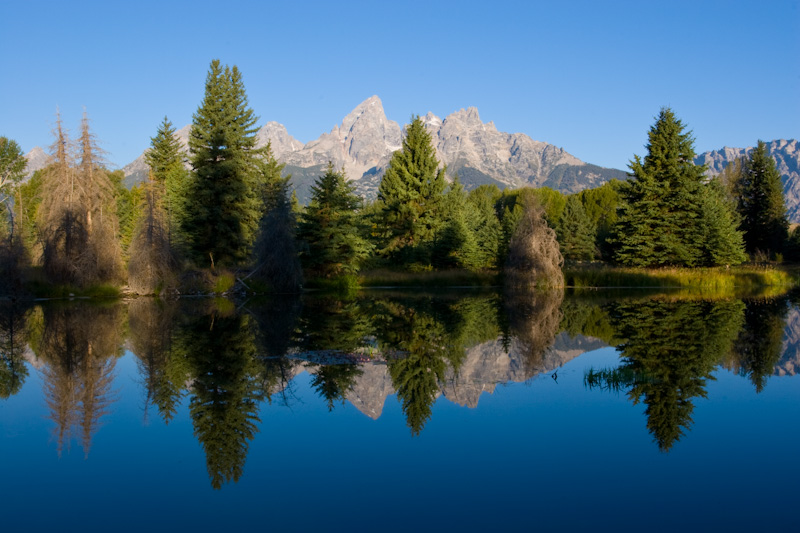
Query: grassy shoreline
point(589, 277)
point(713, 279)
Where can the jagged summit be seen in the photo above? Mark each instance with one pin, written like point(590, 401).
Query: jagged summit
point(365, 140)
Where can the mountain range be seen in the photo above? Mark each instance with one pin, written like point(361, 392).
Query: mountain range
point(478, 152)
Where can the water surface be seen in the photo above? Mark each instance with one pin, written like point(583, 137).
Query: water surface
point(401, 410)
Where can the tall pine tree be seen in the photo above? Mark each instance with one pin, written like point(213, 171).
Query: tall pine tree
point(224, 189)
point(411, 194)
point(762, 204)
point(661, 209)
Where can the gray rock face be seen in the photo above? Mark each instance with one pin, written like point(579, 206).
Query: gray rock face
point(787, 158)
point(489, 364)
point(364, 140)
point(789, 363)
point(37, 160)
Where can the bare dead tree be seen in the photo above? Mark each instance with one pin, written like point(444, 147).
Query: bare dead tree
point(78, 221)
point(534, 257)
point(153, 265)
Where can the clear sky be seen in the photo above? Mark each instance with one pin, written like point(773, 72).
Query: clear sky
point(586, 76)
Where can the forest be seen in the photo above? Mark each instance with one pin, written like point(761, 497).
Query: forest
point(222, 218)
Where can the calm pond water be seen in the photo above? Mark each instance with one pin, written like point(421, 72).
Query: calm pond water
point(397, 410)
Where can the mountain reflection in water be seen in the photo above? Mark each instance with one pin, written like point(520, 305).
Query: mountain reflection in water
point(229, 362)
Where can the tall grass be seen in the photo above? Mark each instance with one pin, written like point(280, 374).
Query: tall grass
point(706, 279)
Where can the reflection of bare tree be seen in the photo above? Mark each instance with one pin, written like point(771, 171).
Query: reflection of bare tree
point(151, 324)
point(534, 318)
point(13, 336)
point(79, 345)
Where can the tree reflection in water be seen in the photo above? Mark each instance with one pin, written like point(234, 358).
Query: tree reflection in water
point(669, 348)
point(13, 340)
point(219, 346)
point(79, 344)
point(760, 344)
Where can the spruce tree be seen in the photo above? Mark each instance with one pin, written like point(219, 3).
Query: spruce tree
point(165, 159)
point(486, 226)
point(576, 232)
point(659, 218)
point(762, 204)
point(723, 243)
point(456, 245)
point(223, 192)
point(330, 228)
point(411, 194)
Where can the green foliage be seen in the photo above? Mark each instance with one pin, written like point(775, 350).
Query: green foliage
point(224, 189)
point(762, 204)
point(576, 232)
point(129, 208)
point(411, 196)
point(485, 224)
point(601, 205)
point(165, 160)
point(661, 209)
point(276, 252)
point(331, 228)
point(12, 170)
point(723, 243)
point(456, 246)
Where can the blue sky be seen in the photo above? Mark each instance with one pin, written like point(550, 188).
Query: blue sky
point(586, 76)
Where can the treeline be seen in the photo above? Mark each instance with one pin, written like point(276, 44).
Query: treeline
point(226, 216)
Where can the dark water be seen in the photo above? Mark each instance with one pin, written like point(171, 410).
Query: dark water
point(396, 411)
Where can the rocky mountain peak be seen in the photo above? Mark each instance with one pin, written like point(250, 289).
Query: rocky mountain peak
point(281, 142)
point(37, 160)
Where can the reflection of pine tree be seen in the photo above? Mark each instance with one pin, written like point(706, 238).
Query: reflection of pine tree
point(429, 335)
point(673, 346)
point(13, 337)
point(760, 344)
point(333, 382)
point(79, 344)
point(220, 349)
point(151, 324)
point(277, 320)
point(332, 324)
point(417, 373)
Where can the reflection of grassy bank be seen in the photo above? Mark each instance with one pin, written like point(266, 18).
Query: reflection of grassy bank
point(714, 280)
point(433, 278)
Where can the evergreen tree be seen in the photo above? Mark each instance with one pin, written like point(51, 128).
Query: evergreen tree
point(723, 243)
point(411, 195)
point(486, 226)
point(456, 245)
point(659, 218)
point(276, 251)
point(576, 233)
point(762, 204)
point(330, 228)
point(223, 192)
point(165, 159)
